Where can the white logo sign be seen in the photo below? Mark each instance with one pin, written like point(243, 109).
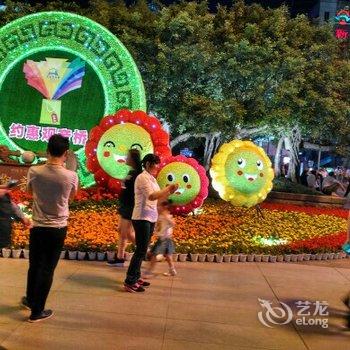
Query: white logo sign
point(274, 315)
point(308, 314)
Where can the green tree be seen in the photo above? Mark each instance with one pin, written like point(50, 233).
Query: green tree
point(235, 73)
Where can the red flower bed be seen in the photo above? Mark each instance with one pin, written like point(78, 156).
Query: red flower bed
point(90, 194)
point(331, 243)
point(94, 194)
point(19, 196)
point(339, 212)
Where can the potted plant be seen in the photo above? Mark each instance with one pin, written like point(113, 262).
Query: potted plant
point(227, 256)
point(273, 258)
point(319, 253)
point(82, 249)
point(331, 255)
point(219, 254)
point(91, 251)
point(16, 251)
point(307, 256)
point(325, 256)
point(26, 251)
point(211, 253)
point(213, 249)
point(183, 250)
point(129, 252)
point(300, 257)
point(101, 254)
point(250, 255)
point(265, 258)
point(201, 254)
point(194, 257)
point(319, 256)
point(258, 253)
point(111, 249)
point(287, 255)
point(194, 254)
point(242, 257)
point(235, 258)
point(6, 252)
point(219, 257)
point(72, 252)
point(294, 258)
point(278, 252)
point(280, 258)
point(92, 255)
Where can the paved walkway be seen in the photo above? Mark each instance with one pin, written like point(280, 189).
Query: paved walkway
point(208, 306)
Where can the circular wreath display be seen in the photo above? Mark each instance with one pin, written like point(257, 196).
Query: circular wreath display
point(242, 173)
point(110, 141)
point(191, 178)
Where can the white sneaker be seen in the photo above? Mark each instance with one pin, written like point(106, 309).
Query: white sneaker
point(172, 272)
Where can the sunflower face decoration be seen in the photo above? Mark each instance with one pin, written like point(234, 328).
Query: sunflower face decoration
point(114, 144)
point(191, 179)
point(242, 173)
point(110, 141)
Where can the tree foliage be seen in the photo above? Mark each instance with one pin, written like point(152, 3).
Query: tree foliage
point(241, 67)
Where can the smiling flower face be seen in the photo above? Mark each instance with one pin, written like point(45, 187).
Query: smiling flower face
point(185, 176)
point(114, 145)
point(110, 141)
point(191, 179)
point(242, 173)
point(246, 171)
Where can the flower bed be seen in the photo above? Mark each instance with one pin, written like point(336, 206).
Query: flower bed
point(216, 228)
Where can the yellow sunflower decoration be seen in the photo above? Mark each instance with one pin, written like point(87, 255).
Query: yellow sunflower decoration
point(242, 173)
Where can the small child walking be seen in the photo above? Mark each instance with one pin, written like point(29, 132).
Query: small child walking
point(164, 245)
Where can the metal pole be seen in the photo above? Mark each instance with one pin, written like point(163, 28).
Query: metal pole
point(319, 158)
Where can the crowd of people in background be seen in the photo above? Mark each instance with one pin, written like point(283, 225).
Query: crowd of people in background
point(330, 182)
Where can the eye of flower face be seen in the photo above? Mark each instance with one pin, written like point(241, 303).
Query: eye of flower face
point(241, 162)
point(136, 146)
point(109, 144)
point(260, 165)
point(186, 178)
point(170, 177)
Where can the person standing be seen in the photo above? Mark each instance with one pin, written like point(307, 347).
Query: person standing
point(127, 201)
point(52, 186)
point(303, 177)
point(144, 217)
point(312, 179)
